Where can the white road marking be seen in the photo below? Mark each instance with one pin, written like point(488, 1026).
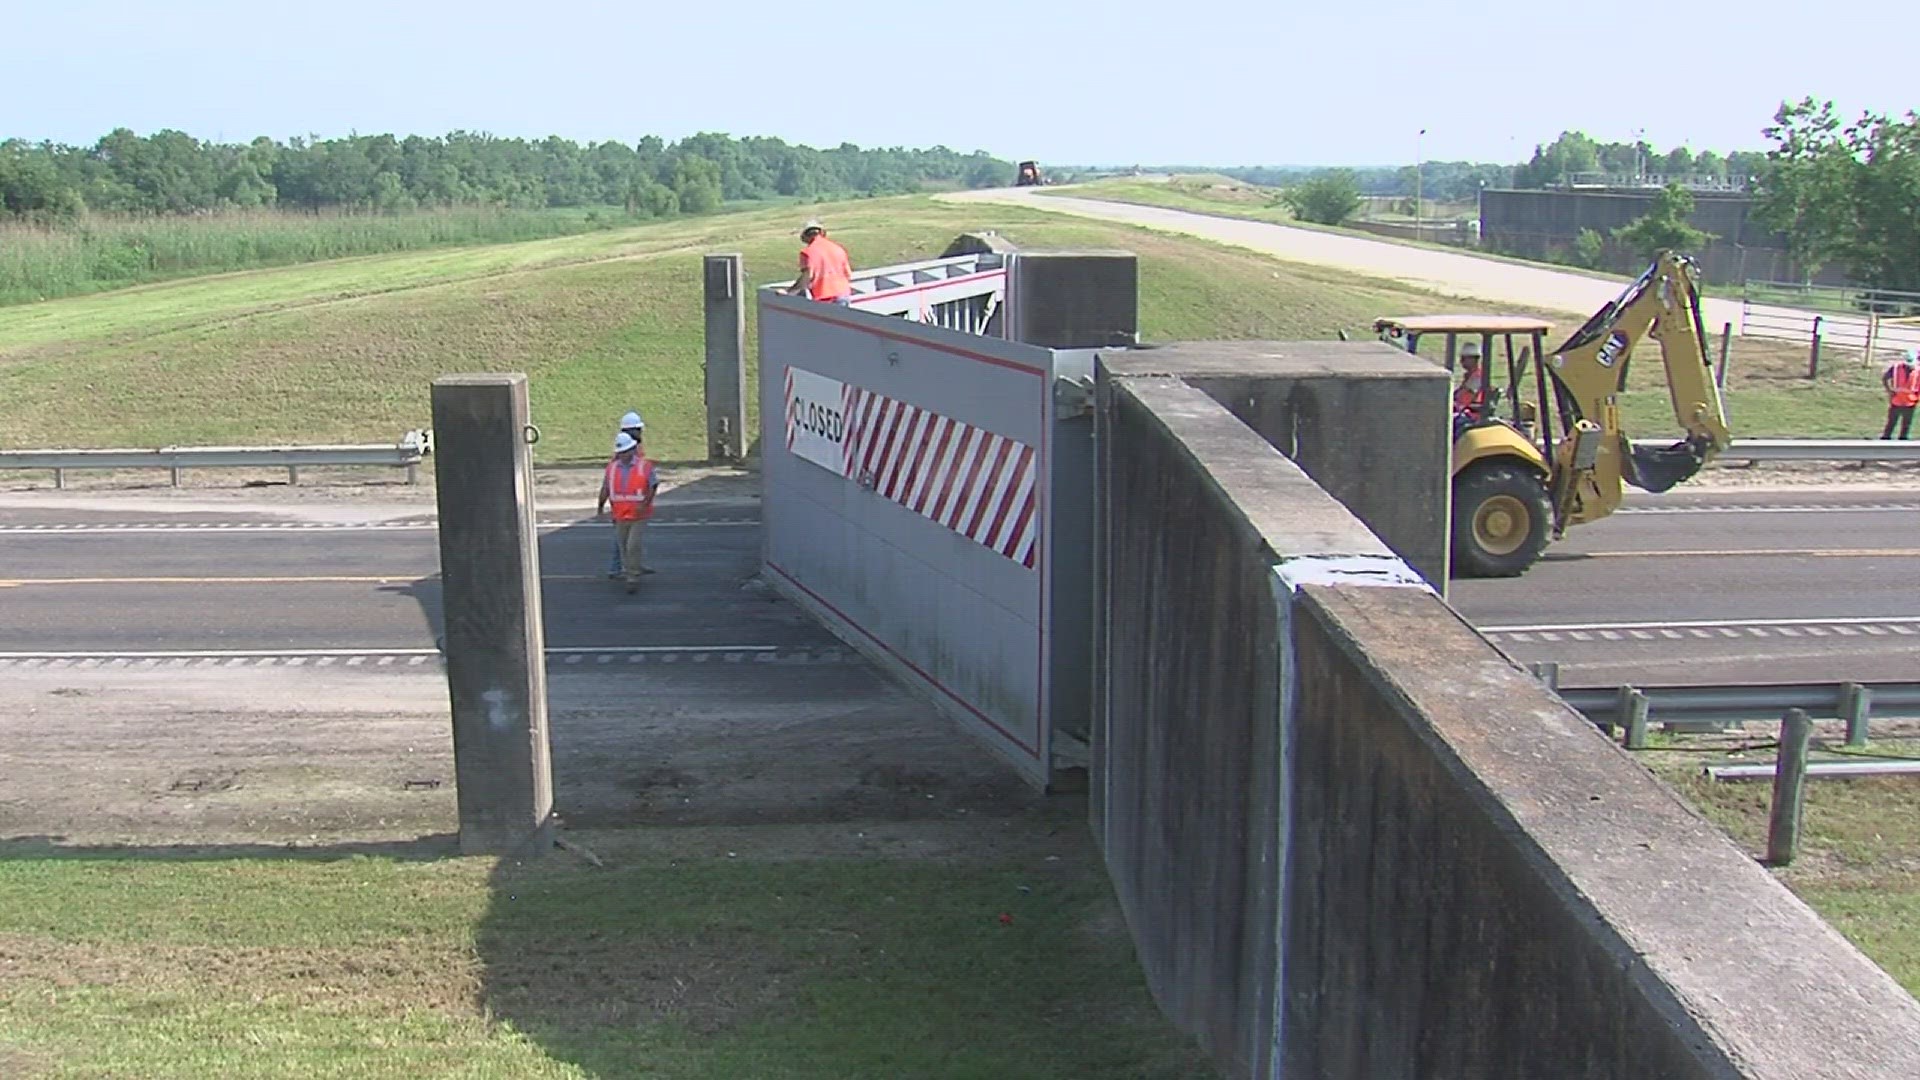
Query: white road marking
point(329, 526)
point(1891, 622)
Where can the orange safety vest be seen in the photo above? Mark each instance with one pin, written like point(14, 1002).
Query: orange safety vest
point(1905, 385)
point(1472, 392)
point(832, 271)
point(629, 489)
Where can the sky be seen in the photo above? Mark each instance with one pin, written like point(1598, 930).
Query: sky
point(1229, 82)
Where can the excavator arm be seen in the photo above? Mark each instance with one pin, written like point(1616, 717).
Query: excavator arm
point(1590, 370)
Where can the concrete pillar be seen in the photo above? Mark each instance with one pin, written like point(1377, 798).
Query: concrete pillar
point(1366, 421)
point(495, 642)
point(726, 311)
point(1075, 299)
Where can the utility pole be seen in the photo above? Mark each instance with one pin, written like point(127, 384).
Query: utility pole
point(1417, 174)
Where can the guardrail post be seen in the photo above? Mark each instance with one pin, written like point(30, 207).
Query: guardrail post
point(1633, 715)
point(726, 364)
point(1548, 672)
point(1856, 706)
point(293, 476)
point(175, 471)
point(490, 593)
point(1813, 354)
point(1789, 784)
point(60, 479)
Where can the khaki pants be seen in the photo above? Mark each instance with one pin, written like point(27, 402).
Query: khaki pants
point(630, 535)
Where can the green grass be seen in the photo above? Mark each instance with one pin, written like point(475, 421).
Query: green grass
point(1859, 859)
point(702, 967)
point(95, 253)
point(344, 350)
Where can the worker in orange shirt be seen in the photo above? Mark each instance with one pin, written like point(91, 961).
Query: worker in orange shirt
point(825, 272)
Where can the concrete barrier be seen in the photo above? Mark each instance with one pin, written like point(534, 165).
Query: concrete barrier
point(1353, 840)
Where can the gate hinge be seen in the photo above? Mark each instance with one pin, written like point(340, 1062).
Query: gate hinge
point(1072, 397)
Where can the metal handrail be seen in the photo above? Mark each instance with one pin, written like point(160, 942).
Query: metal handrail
point(407, 453)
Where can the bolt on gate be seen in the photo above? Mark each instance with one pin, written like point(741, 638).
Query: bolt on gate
point(913, 476)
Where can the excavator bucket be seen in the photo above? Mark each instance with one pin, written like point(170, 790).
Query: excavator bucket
point(1658, 469)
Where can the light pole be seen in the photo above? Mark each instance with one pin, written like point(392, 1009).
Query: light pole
point(1417, 174)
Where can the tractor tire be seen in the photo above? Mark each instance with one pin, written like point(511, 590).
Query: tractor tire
point(1500, 515)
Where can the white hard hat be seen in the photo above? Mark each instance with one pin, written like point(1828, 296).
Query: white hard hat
point(624, 441)
point(632, 420)
point(1469, 348)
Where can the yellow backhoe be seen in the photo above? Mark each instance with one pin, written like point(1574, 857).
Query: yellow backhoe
point(1533, 460)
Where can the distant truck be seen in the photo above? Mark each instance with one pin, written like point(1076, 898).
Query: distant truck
point(1030, 175)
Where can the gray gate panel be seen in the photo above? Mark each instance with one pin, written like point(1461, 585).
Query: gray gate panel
point(910, 514)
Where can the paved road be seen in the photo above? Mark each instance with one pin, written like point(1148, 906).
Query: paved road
point(1445, 272)
point(1706, 590)
point(240, 583)
point(1690, 587)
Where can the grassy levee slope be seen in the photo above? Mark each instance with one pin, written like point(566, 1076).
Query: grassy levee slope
point(344, 351)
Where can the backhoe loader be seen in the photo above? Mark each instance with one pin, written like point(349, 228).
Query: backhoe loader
point(1560, 459)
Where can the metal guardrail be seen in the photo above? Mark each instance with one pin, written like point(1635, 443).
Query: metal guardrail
point(1758, 702)
point(1809, 449)
point(407, 453)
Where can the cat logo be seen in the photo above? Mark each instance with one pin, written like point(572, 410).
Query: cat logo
point(1615, 347)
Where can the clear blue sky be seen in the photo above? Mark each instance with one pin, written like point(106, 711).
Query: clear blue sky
point(1225, 82)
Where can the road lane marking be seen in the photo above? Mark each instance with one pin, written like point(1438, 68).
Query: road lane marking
point(1899, 624)
point(354, 657)
point(89, 529)
point(1841, 508)
point(322, 579)
point(1738, 553)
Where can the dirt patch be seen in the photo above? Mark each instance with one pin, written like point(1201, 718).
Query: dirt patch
point(394, 976)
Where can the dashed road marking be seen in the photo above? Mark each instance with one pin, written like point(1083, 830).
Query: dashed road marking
point(1809, 508)
point(112, 528)
point(414, 658)
point(1903, 626)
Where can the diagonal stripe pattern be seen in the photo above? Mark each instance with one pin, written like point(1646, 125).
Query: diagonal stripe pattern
point(979, 484)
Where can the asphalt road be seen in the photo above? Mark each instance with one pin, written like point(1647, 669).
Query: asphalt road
point(1710, 588)
point(154, 583)
point(1696, 587)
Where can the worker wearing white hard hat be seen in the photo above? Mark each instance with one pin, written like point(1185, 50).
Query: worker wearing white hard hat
point(632, 426)
point(629, 484)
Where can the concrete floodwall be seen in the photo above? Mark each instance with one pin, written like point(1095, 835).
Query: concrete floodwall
point(1352, 839)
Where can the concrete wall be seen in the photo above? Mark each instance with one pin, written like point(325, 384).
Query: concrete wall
point(1353, 840)
point(1539, 223)
point(1367, 421)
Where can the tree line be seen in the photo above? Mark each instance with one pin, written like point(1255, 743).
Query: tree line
point(173, 172)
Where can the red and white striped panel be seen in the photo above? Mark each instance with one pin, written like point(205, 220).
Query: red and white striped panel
point(978, 484)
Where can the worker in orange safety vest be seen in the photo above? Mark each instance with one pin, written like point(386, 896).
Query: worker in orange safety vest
point(1471, 394)
point(826, 274)
point(1902, 381)
point(630, 484)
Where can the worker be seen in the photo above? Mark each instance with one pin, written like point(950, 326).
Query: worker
point(630, 485)
point(1471, 395)
point(630, 424)
point(825, 272)
point(1902, 380)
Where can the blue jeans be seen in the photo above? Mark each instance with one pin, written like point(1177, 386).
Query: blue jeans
point(613, 565)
